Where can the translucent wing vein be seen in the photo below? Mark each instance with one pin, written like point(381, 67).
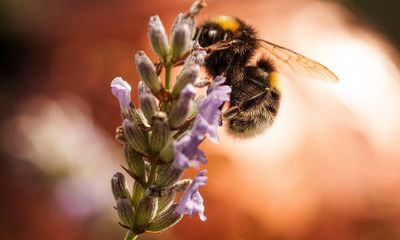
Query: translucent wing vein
point(294, 64)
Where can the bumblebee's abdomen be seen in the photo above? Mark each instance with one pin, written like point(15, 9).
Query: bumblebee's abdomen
point(256, 118)
point(257, 96)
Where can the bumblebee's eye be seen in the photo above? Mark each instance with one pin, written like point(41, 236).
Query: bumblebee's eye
point(212, 34)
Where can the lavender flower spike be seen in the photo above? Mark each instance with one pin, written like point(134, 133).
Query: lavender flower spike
point(161, 136)
point(191, 200)
point(121, 90)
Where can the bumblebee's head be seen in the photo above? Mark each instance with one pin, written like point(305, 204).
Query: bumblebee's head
point(218, 29)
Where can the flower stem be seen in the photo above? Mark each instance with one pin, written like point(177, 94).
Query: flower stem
point(168, 67)
point(130, 236)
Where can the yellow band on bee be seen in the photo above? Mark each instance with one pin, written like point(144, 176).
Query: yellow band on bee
point(273, 79)
point(227, 23)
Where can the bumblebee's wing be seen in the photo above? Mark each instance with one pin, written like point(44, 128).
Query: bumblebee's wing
point(291, 63)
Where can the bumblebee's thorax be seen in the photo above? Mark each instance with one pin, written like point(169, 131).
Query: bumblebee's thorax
point(233, 59)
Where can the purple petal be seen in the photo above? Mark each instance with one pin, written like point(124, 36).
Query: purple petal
point(209, 112)
point(186, 152)
point(206, 122)
point(181, 161)
point(188, 92)
point(191, 200)
point(217, 82)
point(122, 90)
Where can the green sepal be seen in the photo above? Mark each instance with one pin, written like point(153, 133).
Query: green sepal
point(164, 220)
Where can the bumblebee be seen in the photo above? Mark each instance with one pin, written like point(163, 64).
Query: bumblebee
point(251, 66)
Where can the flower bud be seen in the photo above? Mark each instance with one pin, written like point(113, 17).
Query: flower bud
point(184, 18)
point(119, 135)
point(167, 195)
point(181, 109)
point(157, 192)
point(137, 193)
point(165, 201)
point(140, 118)
point(135, 161)
point(136, 115)
point(164, 220)
point(135, 136)
point(148, 102)
point(146, 211)
point(160, 132)
point(188, 75)
point(142, 88)
point(168, 152)
point(126, 212)
point(177, 21)
point(118, 186)
point(158, 37)
point(168, 175)
point(147, 71)
point(182, 185)
point(180, 40)
point(196, 7)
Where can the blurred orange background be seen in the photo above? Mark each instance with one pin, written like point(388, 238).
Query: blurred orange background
point(327, 169)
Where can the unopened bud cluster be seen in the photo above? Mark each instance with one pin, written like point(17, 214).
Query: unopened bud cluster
point(161, 138)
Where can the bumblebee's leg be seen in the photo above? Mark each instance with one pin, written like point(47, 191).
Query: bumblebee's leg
point(242, 106)
point(245, 104)
point(230, 113)
point(257, 84)
point(222, 45)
